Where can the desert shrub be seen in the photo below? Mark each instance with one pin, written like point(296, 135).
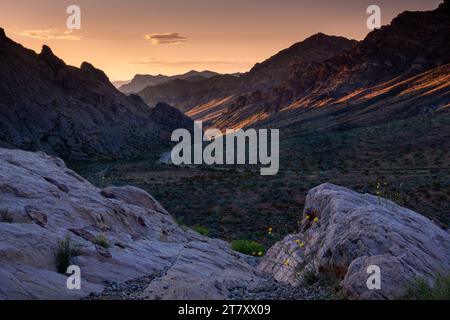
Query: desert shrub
point(102, 241)
point(248, 247)
point(421, 290)
point(202, 230)
point(64, 254)
point(5, 216)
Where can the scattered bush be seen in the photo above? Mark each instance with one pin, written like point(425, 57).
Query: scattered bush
point(102, 241)
point(64, 254)
point(421, 290)
point(248, 247)
point(5, 216)
point(202, 230)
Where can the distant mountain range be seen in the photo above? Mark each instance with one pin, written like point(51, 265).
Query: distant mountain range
point(400, 70)
point(323, 82)
point(120, 83)
point(75, 113)
point(141, 81)
point(220, 90)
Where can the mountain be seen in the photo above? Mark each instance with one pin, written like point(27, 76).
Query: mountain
point(275, 70)
point(120, 83)
point(73, 112)
point(140, 81)
point(214, 94)
point(332, 72)
point(372, 73)
point(185, 94)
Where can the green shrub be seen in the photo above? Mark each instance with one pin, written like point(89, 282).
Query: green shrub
point(248, 247)
point(64, 254)
point(5, 216)
point(421, 290)
point(102, 241)
point(202, 230)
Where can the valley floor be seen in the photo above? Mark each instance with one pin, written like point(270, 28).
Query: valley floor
point(407, 161)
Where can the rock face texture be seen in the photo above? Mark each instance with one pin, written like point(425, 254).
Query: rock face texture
point(75, 113)
point(344, 232)
point(122, 234)
point(46, 202)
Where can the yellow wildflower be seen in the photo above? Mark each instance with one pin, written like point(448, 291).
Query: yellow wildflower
point(316, 219)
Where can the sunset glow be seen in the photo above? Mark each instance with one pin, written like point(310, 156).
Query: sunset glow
point(172, 37)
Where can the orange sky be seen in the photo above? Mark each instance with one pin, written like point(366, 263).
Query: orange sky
point(126, 37)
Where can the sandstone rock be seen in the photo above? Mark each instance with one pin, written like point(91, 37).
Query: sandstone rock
point(353, 231)
point(143, 238)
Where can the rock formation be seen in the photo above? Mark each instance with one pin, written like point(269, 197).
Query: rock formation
point(344, 232)
point(122, 233)
point(329, 76)
point(75, 113)
point(46, 202)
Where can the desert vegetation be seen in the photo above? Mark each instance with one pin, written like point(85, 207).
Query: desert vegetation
point(399, 160)
point(64, 254)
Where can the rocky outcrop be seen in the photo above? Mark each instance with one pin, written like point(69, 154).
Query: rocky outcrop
point(75, 113)
point(43, 202)
point(344, 232)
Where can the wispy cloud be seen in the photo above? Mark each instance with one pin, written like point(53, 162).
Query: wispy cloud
point(193, 63)
point(165, 38)
point(50, 34)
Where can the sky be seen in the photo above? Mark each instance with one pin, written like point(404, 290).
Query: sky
point(128, 37)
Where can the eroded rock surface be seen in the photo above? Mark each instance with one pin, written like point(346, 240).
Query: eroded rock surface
point(47, 202)
point(344, 232)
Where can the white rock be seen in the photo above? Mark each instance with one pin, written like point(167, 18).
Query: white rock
point(355, 231)
point(48, 201)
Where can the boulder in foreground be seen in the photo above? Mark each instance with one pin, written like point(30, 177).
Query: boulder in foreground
point(120, 234)
point(344, 232)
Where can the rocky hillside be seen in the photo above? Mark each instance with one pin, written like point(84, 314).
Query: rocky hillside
point(126, 243)
point(73, 112)
point(185, 94)
point(332, 72)
point(385, 58)
point(214, 94)
point(141, 81)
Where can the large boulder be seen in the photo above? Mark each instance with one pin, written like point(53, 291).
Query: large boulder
point(344, 232)
point(46, 202)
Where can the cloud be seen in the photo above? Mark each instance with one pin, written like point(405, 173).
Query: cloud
point(193, 64)
point(165, 38)
point(50, 34)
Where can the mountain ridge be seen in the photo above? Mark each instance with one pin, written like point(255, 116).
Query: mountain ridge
point(263, 76)
point(75, 113)
point(141, 81)
point(396, 52)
